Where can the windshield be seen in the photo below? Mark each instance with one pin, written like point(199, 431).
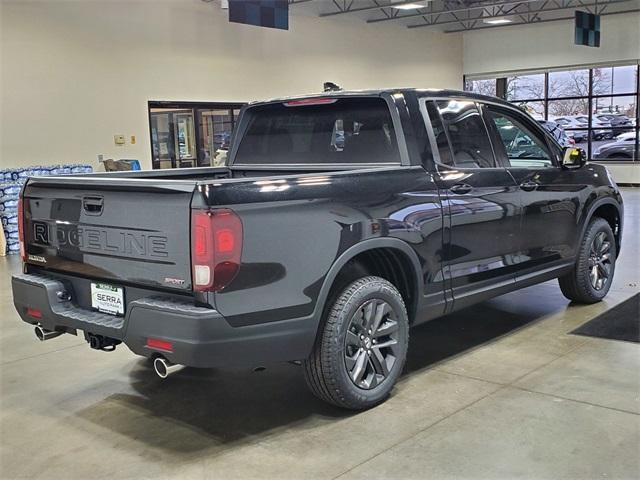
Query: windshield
point(319, 130)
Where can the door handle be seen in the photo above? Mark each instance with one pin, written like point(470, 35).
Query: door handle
point(461, 188)
point(529, 186)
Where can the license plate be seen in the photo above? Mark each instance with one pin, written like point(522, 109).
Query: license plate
point(107, 298)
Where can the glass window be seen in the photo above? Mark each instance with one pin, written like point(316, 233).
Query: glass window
point(589, 113)
point(467, 134)
point(525, 87)
point(535, 109)
point(344, 130)
point(571, 83)
point(615, 110)
point(484, 87)
point(612, 80)
point(573, 116)
point(522, 147)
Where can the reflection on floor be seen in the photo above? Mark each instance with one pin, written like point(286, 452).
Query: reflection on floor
point(500, 390)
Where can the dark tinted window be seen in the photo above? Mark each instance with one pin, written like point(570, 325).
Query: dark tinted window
point(523, 147)
point(467, 134)
point(345, 130)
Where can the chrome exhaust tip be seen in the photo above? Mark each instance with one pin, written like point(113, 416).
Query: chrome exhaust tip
point(164, 367)
point(44, 334)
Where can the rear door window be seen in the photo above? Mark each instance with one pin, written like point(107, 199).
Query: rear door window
point(464, 127)
point(319, 130)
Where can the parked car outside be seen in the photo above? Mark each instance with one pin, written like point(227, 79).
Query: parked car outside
point(624, 136)
point(570, 122)
point(601, 126)
point(619, 123)
point(618, 150)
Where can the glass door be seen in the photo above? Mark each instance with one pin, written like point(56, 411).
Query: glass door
point(216, 129)
point(191, 134)
point(162, 140)
point(185, 140)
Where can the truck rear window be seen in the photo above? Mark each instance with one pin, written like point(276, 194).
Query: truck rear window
point(319, 130)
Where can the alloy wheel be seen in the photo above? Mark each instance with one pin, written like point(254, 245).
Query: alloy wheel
point(599, 261)
point(371, 344)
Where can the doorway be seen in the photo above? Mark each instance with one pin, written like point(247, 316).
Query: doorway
point(189, 134)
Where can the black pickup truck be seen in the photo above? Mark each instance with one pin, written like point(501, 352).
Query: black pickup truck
point(341, 220)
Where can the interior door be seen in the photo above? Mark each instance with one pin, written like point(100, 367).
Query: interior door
point(549, 195)
point(480, 201)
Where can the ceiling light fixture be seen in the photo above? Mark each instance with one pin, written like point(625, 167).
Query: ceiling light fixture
point(409, 6)
point(497, 21)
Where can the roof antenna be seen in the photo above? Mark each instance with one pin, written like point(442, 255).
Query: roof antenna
point(331, 87)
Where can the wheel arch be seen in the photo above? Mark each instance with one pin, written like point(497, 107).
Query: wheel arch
point(609, 210)
point(411, 290)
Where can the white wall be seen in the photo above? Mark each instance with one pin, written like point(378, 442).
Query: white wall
point(547, 45)
point(74, 73)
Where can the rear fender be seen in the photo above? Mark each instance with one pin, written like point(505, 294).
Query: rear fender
point(352, 252)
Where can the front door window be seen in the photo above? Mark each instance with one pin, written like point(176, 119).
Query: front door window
point(522, 147)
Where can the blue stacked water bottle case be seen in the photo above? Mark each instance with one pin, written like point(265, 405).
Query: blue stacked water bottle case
point(11, 181)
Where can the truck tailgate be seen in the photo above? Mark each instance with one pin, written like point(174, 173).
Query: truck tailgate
point(128, 231)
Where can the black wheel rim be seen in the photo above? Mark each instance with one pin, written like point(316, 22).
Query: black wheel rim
point(371, 344)
point(600, 261)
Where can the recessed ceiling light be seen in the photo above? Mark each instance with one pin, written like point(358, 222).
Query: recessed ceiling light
point(409, 6)
point(497, 21)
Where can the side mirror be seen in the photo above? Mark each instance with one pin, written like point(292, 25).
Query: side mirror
point(573, 158)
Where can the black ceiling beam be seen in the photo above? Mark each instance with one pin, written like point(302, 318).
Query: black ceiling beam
point(635, 10)
point(454, 10)
point(376, 5)
point(540, 10)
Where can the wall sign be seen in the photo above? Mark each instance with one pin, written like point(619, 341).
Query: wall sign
point(262, 13)
point(587, 29)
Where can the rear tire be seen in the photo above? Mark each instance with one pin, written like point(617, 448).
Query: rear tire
point(590, 279)
point(362, 346)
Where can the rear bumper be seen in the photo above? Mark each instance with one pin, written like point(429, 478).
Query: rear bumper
point(200, 337)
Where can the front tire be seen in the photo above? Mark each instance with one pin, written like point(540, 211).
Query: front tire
point(591, 277)
point(362, 346)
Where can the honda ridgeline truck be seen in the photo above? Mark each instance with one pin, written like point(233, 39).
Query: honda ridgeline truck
point(341, 220)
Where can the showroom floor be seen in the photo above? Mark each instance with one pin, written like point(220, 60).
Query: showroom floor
point(500, 390)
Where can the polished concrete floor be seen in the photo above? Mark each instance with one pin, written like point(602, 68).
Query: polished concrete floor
point(498, 391)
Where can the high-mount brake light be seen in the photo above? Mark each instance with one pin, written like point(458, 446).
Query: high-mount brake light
point(216, 247)
point(310, 101)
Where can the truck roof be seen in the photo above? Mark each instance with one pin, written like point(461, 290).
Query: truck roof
point(431, 92)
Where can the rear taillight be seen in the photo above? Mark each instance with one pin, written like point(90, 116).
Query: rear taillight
point(216, 246)
point(23, 251)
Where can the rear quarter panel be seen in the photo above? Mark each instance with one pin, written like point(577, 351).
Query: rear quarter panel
point(295, 228)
